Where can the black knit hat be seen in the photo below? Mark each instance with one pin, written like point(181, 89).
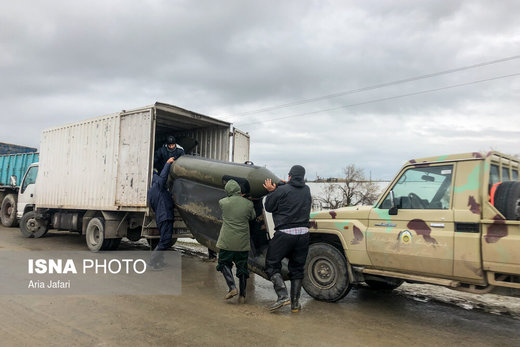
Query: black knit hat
point(297, 171)
point(171, 140)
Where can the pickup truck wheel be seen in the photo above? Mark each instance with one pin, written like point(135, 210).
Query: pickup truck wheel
point(95, 235)
point(32, 226)
point(8, 211)
point(507, 199)
point(326, 276)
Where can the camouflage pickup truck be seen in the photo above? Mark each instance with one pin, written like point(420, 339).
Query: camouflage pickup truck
point(451, 220)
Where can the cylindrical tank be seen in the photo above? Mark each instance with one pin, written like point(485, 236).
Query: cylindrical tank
point(216, 173)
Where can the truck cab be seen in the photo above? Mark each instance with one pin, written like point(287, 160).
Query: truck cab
point(449, 220)
point(26, 194)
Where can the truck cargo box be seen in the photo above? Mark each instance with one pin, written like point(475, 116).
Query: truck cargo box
point(105, 163)
point(8, 148)
point(12, 165)
point(15, 165)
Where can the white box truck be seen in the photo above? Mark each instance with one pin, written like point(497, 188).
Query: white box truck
point(93, 176)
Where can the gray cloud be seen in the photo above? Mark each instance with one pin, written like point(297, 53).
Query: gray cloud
point(65, 61)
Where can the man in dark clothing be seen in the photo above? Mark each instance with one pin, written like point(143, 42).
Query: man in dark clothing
point(290, 205)
point(162, 204)
point(169, 150)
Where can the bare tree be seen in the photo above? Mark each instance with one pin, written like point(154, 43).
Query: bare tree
point(354, 190)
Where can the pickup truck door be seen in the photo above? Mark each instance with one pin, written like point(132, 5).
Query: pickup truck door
point(418, 236)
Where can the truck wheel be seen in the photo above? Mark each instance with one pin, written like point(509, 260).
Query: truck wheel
point(32, 226)
point(95, 235)
point(385, 284)
point(326, 276)
point(8, 211)
point(134, 234)
point(507, 199)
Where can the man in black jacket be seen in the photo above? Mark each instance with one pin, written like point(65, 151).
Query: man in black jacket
point(162, 204)
point(169, 150)
point(290, 205)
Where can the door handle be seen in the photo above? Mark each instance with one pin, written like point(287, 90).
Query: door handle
point(437, 225)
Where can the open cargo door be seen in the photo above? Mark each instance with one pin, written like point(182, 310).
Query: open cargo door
point(134, 158)
point(241, 142)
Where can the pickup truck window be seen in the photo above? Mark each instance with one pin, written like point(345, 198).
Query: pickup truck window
point(30, 178)
point(423, 188)
point(505, 174)
point(494, 175)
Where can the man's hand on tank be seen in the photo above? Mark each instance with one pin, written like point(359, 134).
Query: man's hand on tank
point(269, 185)
point(171, 160)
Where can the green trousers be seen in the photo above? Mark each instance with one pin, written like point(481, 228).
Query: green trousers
point(227, 258)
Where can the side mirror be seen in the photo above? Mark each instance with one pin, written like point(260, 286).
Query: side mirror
point(12, 180)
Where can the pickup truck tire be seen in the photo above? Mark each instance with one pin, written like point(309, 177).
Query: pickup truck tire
point(8, 211)
point(32, 226)
point(95, 235)
point(326, 276)
point(507, 199)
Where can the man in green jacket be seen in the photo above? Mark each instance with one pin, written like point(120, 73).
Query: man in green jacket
point(233, 240)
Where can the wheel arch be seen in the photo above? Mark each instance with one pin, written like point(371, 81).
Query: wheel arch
point(90, 214)
point(331, 237)
point(335, 239)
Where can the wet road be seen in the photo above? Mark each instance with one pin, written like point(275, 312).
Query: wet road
point(200, 316)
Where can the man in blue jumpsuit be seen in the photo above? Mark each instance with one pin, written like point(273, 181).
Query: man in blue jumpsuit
point(168, 150)
point(162, 204)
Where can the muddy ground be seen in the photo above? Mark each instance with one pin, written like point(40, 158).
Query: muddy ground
point(412, 315)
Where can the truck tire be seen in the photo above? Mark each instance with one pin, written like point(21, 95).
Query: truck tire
point(95, 235)
point(507, 199)
point(32, 226)
point(326, 276)
point(8, 211)
point(134, 234)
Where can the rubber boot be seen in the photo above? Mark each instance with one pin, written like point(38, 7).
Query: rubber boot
point(228, 276)
point(242, 285)
point(296, 288)
point(281, 291)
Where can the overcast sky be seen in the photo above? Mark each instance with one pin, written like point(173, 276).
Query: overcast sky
point(64, 61)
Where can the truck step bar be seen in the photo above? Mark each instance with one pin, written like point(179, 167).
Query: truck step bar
point(432, 280)
point(499, 280)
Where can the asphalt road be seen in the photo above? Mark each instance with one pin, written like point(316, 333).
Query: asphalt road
point(199, 315)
